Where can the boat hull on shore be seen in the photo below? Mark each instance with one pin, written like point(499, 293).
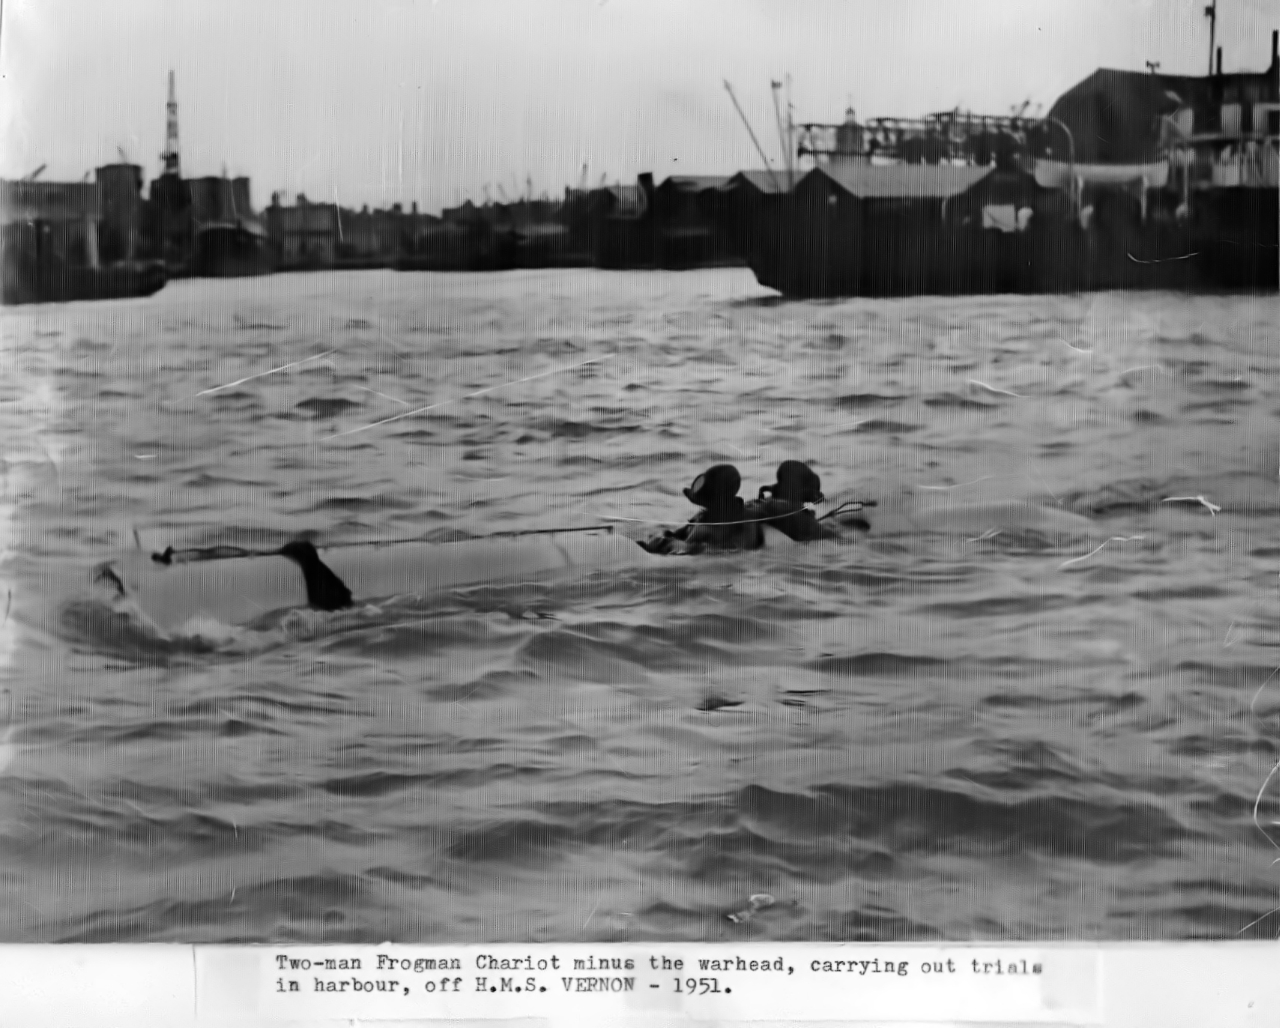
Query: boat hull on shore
point(229, 251)
point(806, 249)
point(30, 281)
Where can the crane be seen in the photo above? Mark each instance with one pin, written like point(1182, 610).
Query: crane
point(35, 174)
point(738, 107)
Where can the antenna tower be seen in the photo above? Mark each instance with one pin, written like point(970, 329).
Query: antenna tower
point(170, 156)
point(1211, 12)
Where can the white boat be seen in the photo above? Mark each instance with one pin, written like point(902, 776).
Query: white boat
point(237, 587)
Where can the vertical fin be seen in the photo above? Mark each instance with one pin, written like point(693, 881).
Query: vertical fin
point(325, 590)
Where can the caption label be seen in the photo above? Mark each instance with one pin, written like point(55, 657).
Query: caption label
point(756, 981)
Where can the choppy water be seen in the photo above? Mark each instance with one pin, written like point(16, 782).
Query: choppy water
point(904, 737)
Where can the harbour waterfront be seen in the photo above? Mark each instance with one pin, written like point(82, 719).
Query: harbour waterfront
point(1130, 181)
point(948, 736)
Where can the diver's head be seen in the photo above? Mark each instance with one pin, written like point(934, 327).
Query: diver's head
point(796, 483)
point(715, 487)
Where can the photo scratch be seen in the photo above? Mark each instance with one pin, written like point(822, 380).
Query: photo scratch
point(263, 374)
point(1098, 549)
point(467, 396)
point(1253, 703)
point(1212, 508)
point(959, 485)
point(993, 389)
point(393, 399)
point(991, 533)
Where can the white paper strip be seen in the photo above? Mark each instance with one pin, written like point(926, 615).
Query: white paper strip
point(1227, 985)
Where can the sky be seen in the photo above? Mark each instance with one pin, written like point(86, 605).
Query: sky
point(433, 101)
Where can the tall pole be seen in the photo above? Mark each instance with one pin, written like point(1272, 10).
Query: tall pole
point(782, 136)
point(791, 139)
point(751, 133)
point(170, 155)
point(1211, 12)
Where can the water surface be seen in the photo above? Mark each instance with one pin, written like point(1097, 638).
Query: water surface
point(948, 736)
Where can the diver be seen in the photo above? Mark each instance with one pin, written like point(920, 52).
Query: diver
point(721, 524)
point(790, 506)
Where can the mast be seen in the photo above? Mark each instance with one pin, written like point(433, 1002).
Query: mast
point(172, 164)
point(774, 86)
point(1211, 12)
point(791, 138)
